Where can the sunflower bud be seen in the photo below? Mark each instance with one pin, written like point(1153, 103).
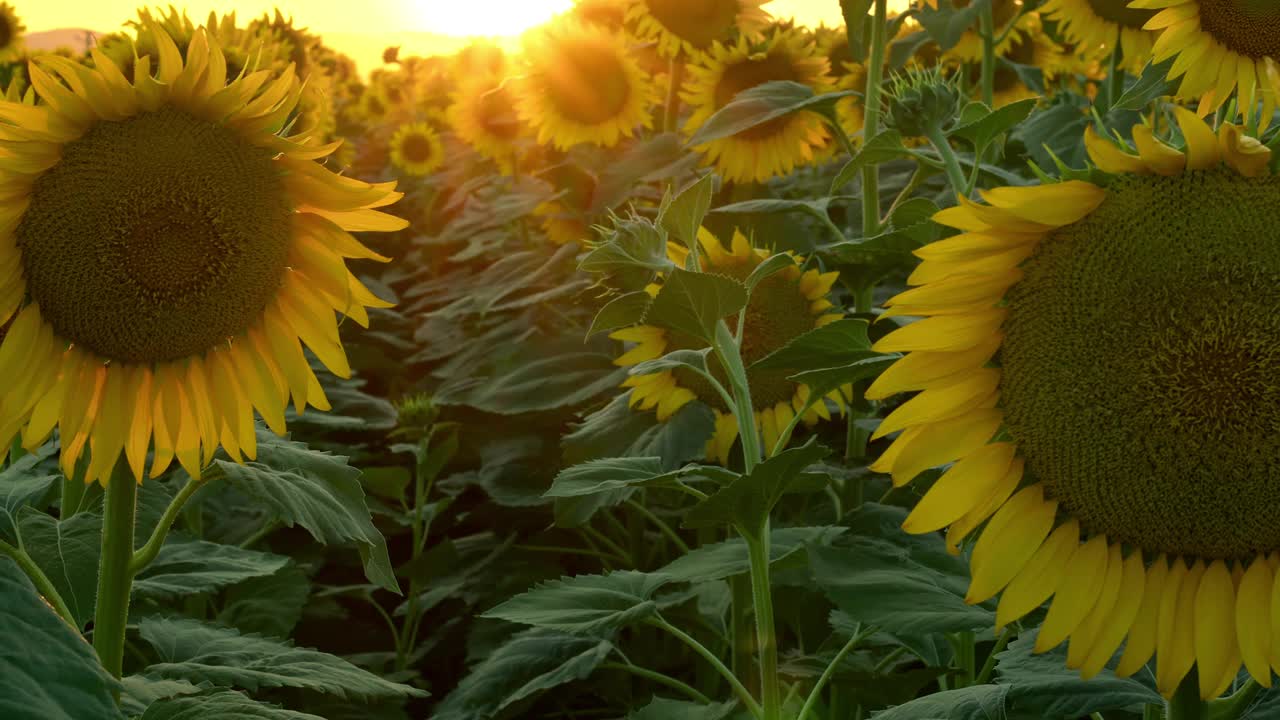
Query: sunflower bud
point(922, 101)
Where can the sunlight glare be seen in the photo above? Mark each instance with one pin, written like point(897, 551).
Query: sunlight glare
point(462, 18)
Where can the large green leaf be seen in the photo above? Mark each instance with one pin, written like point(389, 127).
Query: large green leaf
point(318, 491)
point(608, 474)
point(979, 702)
point(886, 145)
point(665, 709)
point(897, 582)
point(989, 124)
point(587, 604)
point(197, 651)
point(694, 303)
point(747, 502)
point(616, 430)
point(270, 605)
point(843, 341)
point(946, 23)
point(138, 692)
point(683, 216)
point(187, 566)
point(1042, 683)
point(527, 665)
point(634, 245)
point(761, 104)
point(47, 671)
point(220, 704)
point(67, 551)
point(23, 484)
point(824, 380)
point(623, 311)
point(729, 557)
point(546, 383)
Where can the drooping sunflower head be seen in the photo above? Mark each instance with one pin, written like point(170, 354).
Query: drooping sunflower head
point(483, 115)
point(164, 255)
point(833, 44)
point(1221, 45)
point(694, 26)
point(582, 86)
point(772, 148)
point(1099, 359)
point(1095, 25)
point(416, 149)
point(295, 42)
point(11, 29)
point(783, 307)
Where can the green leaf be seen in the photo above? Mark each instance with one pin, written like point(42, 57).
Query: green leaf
point(188, 567)
point(978, 702)
point(674, 360)
point(886, 145)
point(605, 474)
point(772, 265)
point(653, 160)
point(527, 665)
point(67, 551)
point(729, 557)
point(897, 582)
point(767, 206)
point(683, 216)
point(139, 692)
point(562, 380)
point(616, 430)
point(760, 104)
point(855, 22)
point(837, 343)
point(220, 704)
point(320, 492)
point(48, 671)
point(1153, 83)
point(22, 485)
point(623, 311)
point(1043, 683)
point(824, 380)
point(992, 124)
point(747, 502)
point(665, 709)
point(586, 604)
point(197, 651)
point(633, 245)
point(694, 303)
point(945, 23)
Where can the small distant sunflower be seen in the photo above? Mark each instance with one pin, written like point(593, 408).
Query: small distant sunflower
point(1101, 362)
point(783, 307)
point(416, 149)
point(1033, 47)
point(582, 87)
point(1095, 25)
point(772, 148)
point(483, 115)
point(694, 26)
point(561, 224)
point(608, 14)
point(1220, 45)
point(11, 29)
point(164, 255)
point(969, 47)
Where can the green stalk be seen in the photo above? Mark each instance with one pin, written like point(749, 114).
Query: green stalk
point(752, 706)
point(871, 122)
point(1234, 706)
point(966, 658)
point(1186, 703)
point(990, 665)
point(115, 574)
point(671, 111)
point(826, 675)
point(987, 29)
point(726, 349)
point(1151, 711)
point(766, 639)
point(148, 552)
point(660, 678)
point(1115, 76)
point(41, 581)
point(950, 162)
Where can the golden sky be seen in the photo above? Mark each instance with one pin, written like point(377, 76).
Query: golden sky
point(390, 21)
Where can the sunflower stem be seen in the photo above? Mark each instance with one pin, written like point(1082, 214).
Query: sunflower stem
point(1115, 76)
point(989, 666)
point(115, 572)
point(854, 639)
point(1186, 703)
point(659, 678)
point(871, 122)
point(41, 581)
point(987, 29)
point(675, 77)
point(1234, 706)
point(148, 552)
point(959, 184)
point(726, 349)
point(752, 706)
point(766, 639)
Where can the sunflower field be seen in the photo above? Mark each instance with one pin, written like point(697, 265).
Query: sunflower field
point(686, 364)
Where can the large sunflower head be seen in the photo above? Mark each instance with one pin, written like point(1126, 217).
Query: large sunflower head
point(416, 149)
point(1101, 362)
point(483, 115)
point(582, 86)
point(1221, 45)
point(11, 29)
point(165, 252)
point(694, 26)
point(783, 307)
point(1094, 26)
point(772, 148)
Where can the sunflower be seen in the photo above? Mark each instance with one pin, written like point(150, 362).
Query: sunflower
point(483, 115)
point(1095, 26)
point(969, 47)
point(608, 14)
point(1031, 46)
point(416, 149)
point(694, 26)
point(582, 87)
point(162, 253)
point(560, 223)
point(11, 29)
point(479, 58)
point(783, 307)
point(772, 148)
point(1220, 44)
point(1100, 361)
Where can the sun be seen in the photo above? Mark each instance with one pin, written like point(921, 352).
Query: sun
point(485, 17)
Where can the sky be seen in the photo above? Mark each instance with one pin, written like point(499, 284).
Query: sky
point(343, 22)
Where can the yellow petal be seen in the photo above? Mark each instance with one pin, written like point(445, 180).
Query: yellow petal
point(1245, 154)
point(921, 370)
point(1054, 205)
point(961, 528)
point(1111, 159)
point(943, 442)
point(948, 333)
point(1215, 635)
point(1008, 542)
point(1121, 618)
point(1084, 636)
point(1039, 577)
point(943, 402)
point(1161, 158)
point(1253, 620)
point(1203, 151)
point(1145, 633)
point(961, 488)
point(1077, 593)
point(1175, 648)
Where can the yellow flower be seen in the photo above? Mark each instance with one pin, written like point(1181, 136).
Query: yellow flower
point(694, 26)
point(1095, 25)
point(582, 87)
point(483, 115)
point(773, 148)
point(608, 14)
point(416, 149)
point(1220, 45)
point(783, 307)
point(162, 252)
point(1100, 362)
point(560, 224)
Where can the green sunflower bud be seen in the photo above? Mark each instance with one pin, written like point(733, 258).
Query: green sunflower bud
point(921, 101)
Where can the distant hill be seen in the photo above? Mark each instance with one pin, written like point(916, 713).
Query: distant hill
point(63, 37)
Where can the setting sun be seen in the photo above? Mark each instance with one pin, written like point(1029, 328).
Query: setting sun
point(484, 17)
